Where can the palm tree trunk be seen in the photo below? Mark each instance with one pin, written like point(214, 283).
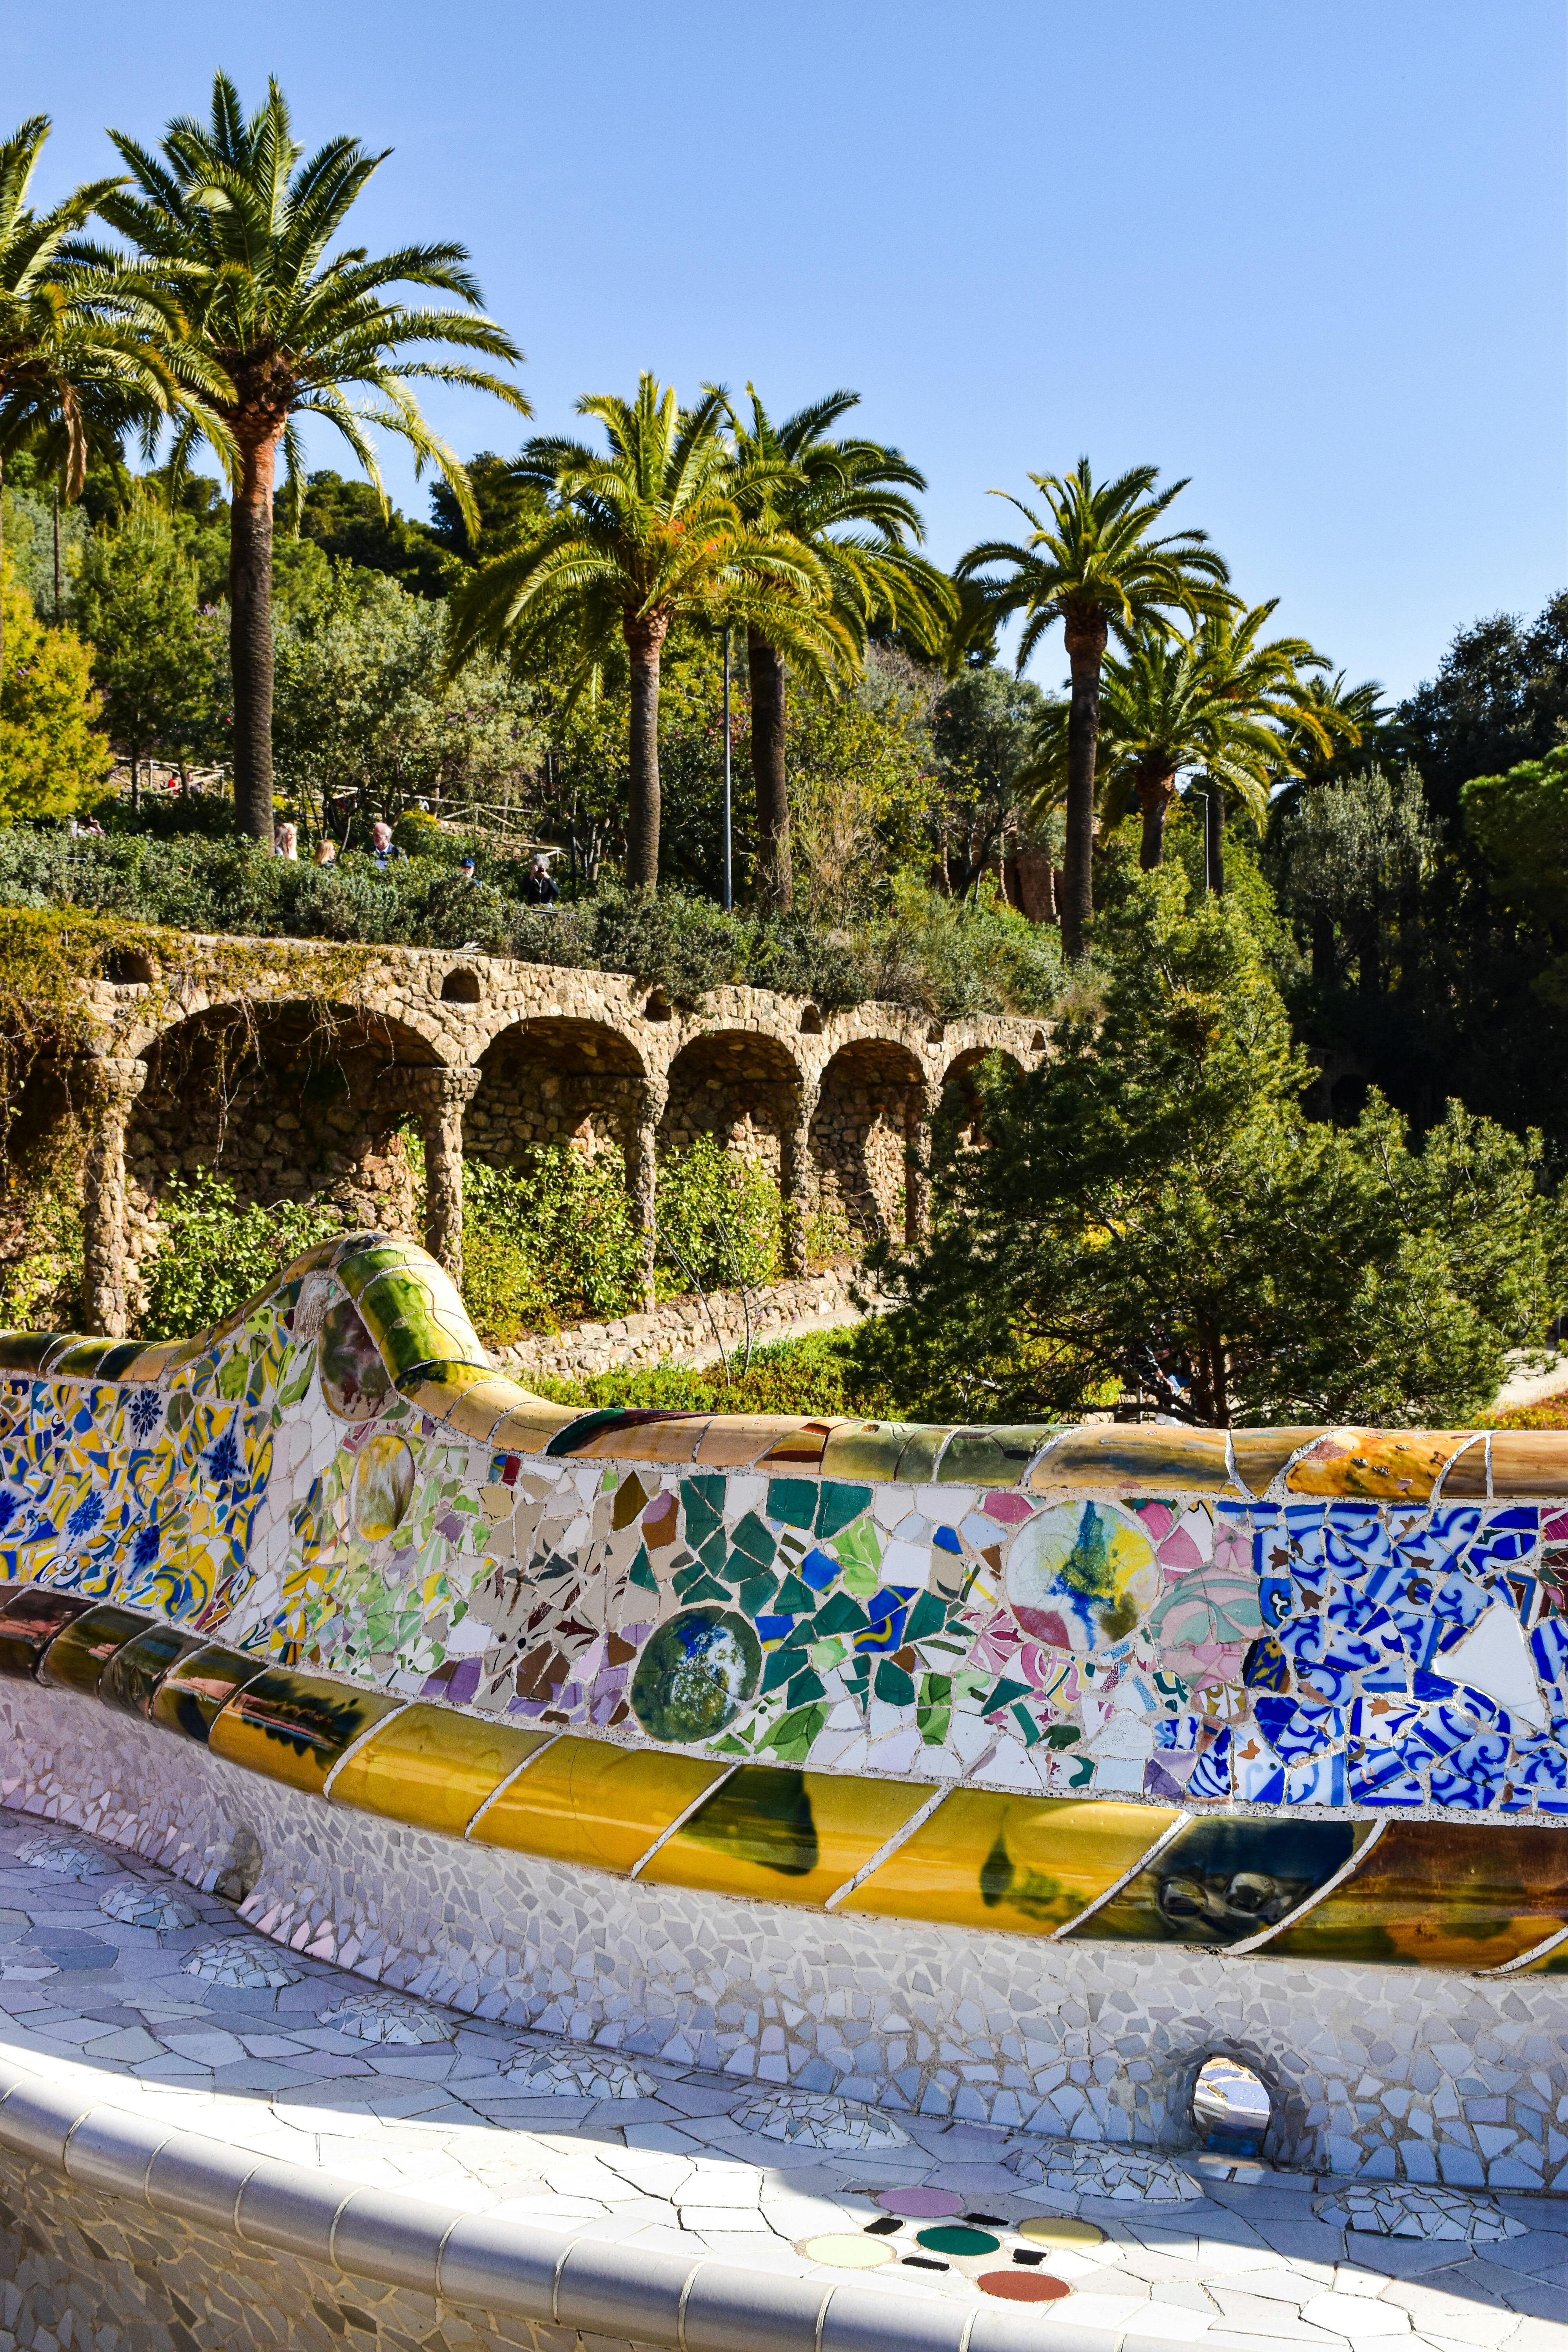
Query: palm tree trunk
point(1154, 796)
point(645, 635)
point(776, 875)
point(250, 629)
point(1086, 651)
point(1214, 825)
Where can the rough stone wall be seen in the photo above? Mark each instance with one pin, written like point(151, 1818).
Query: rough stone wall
point(679, 1330)
point(94, 2273)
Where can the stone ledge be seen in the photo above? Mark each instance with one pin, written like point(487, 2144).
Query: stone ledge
point(679, 1330)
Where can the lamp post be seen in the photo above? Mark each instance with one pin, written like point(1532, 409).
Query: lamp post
point(1194, 795)
point(728, 893)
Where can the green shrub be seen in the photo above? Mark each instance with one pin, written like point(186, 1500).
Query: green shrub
point(816, 1375)
point(942, 957)
point(556, 1243)
point(215, 1253)
point(719, 1219)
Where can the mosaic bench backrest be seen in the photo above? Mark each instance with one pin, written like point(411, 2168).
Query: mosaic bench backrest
point(1300, 1692)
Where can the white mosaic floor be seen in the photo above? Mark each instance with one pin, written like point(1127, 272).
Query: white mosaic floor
point(104, 1983)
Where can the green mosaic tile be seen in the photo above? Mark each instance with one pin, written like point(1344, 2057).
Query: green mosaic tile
point(793, 1501)
point(837, 1506)
point(751, 1536)
point(703, 1500)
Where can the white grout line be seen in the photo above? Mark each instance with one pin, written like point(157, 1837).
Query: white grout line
point(640, 1865)
point(884, 1851)
point(361, 1740)
point(1346, 1870)
point(1181, 1822)
point(502, 1786)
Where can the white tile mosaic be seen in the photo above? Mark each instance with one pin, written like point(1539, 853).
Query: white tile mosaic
point(683, 2168)
point(1439, 2214)
point(387, 2016)
point(147, 1903)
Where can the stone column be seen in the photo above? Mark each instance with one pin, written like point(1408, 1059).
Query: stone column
point(111, 1084)
point(448, 1093)
point(648, 1100)
point(795, 1172)
point(921, 1105)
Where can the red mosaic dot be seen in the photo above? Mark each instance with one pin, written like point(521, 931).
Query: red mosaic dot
point(1023, 2286)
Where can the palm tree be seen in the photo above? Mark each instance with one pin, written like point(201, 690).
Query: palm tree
point(1262, 678)
point(1095, 563)
point(1226, 706)
point(1220, 704)
point(844, 501)
point(632, 539)
point(236, 226)
point(86, 348)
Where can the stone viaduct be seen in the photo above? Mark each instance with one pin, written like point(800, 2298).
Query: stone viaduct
point(292, 1095)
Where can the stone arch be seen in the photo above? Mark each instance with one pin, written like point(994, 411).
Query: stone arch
point(550, 1080)
point(289, 1099)
point(868, 1107)
point(740, 1086)
point(960, 1120)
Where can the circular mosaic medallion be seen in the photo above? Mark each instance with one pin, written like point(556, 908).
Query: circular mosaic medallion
point(1049, 2230)
point(383, 1486)
point(354, 1381)
point(1080, 1576)
point(695, 1675)
point(953, 2238)
point(847, 2251)
point(1023, 2286)
point(920, 2204)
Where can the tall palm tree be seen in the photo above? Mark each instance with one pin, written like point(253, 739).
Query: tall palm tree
point(1225, 704)
point(633, 539)
point(845, 501)
point(1230, 705)
point(1093, 562)
point(87, 350)
point(236, 226)
point(1263, 676)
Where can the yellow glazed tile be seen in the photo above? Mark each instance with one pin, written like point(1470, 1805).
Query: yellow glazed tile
point(433, 1768)
point(788, 1837)
point(1440, 1894)
point(438, 1388)
point(528, 1426)
point(587, 1801)
point(992, 1457)
point(735, 1439)
point(867, 1450)
point(295, 1727)
point(479, 1409)
point(799, 1443)
point(1128, 1457)
point(192, 1693)
point(77, 1659)
point(1028, 1864)
point(1386, 1466)
point(665, 1440)
point(1261, 1453)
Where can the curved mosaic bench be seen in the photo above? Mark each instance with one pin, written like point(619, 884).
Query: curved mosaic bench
point(1295, 1695)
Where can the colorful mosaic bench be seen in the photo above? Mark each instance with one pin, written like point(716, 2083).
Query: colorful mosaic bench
point(1303, 1693)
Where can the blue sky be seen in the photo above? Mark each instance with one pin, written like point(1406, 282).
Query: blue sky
point(1312, 257)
